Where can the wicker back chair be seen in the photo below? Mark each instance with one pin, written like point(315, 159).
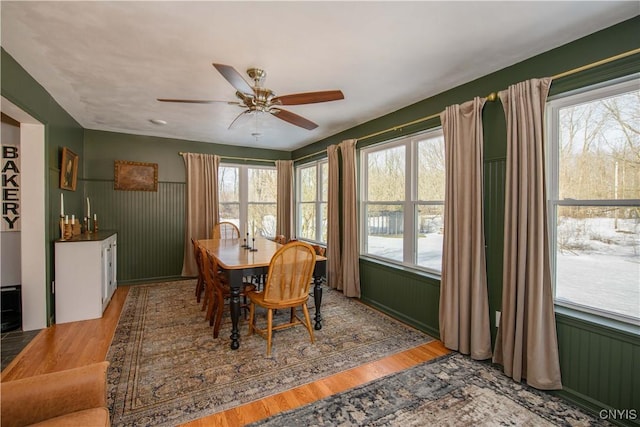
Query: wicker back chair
point(287, 286)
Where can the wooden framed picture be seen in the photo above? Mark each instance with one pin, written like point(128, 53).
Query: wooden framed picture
point(135, 176)
point(68, 170)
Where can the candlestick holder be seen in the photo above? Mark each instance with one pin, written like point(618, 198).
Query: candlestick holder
point(85, 225)
point(68, 231)
point(62, 227)
point(253, 247)
point(95, 225)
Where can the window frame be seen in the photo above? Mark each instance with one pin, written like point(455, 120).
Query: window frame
point(318, 201)
point(554, 105)
point(243, 194)
point(410, 204)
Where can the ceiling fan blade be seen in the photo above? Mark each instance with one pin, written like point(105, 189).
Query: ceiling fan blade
point(308, 97)
point(197, 101)
point(235, 78)
point(293, 118)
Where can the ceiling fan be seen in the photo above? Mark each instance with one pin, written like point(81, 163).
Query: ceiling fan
point(258, 99)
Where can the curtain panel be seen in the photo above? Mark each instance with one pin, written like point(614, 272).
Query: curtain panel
point(201, 203)
point(334, 254)
point(350, 252)
point(284, 205)
point(464, 302)
point(526, 344)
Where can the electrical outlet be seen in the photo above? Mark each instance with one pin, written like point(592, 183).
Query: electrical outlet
point(498, 318)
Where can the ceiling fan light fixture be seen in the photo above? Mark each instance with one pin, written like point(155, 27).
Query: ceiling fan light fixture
point(259, 99)
point(158, 122)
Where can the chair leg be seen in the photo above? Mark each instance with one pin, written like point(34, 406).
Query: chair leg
point(198, 289)
point(252, 309)
point(205, 302)
point(209, 301)
point(269, 330)
point(218, 321)
point(308, 322)
point(292, 317)
point(212, 307)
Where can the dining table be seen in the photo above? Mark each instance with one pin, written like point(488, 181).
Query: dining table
point(239, 258)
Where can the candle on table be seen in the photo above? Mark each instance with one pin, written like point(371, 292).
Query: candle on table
point(61, 204)
point(66, 219)
point(95, 217)
point(73, 219)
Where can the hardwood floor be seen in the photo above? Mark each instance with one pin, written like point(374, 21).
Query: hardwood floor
point(75, 344)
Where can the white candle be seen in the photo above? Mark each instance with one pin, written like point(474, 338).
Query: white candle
point(73, 219)
point(66, 219)
point(95, 217)
point(88, 208)
point(61, 204)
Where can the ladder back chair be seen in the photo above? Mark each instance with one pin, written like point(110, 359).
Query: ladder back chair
point(287, 286)
point(200, 281)
point(225, 230)
point(217, 291)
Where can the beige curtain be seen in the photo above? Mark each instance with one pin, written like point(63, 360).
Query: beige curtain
point(526, 343)
point(201, 203)
point(284, 207)
point(464, 302)
point(350, 252)
point(334, 257)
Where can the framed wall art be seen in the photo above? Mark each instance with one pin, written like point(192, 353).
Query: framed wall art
point(135, 176)
point(68, 170)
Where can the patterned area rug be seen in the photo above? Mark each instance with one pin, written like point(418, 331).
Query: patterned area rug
point(167, 369)
point(449, 391)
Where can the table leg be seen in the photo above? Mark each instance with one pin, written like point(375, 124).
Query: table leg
point(235, 316)
point(317, 296)
point(234, 304)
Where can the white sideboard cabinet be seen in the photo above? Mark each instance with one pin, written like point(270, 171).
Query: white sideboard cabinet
point(85, 275)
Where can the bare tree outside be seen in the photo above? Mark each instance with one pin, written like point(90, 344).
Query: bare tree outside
point(389, 205)
point(598, 206)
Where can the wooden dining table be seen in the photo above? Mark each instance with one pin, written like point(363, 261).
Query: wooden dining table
point(237, 261)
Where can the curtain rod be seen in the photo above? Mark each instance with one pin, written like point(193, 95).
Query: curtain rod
point(493, 96)
point(237, 158)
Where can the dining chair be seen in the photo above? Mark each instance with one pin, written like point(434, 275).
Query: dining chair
point(218, 290)
point(280, 239)
point(287, 286)
point(225, 230)
point(200, 281)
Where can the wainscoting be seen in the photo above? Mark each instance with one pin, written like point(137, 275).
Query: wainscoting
point(600, 366)
point(150, 228)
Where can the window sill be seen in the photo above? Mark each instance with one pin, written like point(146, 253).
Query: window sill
point(403, 267)
point(595, 319)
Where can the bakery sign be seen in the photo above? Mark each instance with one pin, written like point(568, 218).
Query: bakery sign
point(10, 188)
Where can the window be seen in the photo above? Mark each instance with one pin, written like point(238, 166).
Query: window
point(248, 198)
point(403, 200)
point(594, 199)
point(311, 201)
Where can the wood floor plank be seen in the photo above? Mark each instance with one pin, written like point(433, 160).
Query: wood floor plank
point(327, 386)
point(76, 344)
point(69, 345)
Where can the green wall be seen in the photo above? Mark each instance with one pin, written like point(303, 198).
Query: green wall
point(150, 225)
point(61, 130)
point(600, 364)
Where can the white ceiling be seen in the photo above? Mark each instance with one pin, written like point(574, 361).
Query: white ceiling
point(107, 62)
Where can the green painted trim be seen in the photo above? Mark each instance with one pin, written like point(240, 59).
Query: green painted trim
point(595, 324)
